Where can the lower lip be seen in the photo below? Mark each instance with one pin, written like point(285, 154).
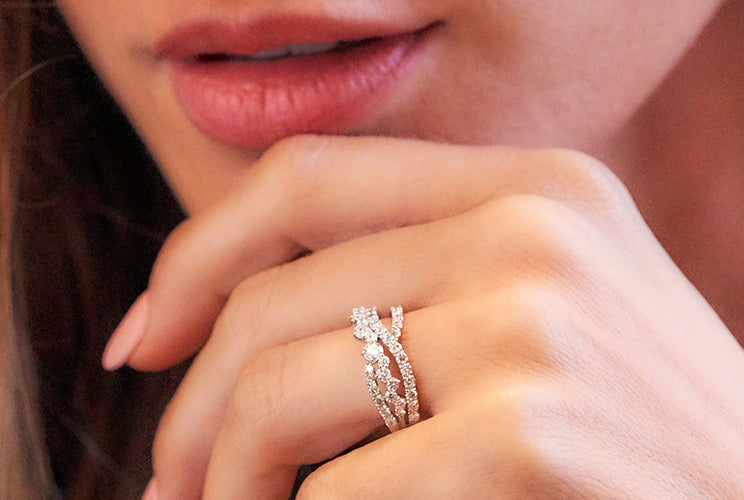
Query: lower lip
point(254, 104)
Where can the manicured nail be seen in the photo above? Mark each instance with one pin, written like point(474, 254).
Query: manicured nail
point(127, 335)
point(151, 492)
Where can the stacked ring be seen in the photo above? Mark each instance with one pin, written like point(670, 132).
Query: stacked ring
point(397, 411)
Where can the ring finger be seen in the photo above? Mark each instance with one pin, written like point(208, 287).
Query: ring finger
point(307, 401)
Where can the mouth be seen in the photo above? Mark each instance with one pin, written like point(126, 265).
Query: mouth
point(291, 50)
point(251, 84)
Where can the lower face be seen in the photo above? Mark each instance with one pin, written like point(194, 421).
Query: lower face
point(210, 85)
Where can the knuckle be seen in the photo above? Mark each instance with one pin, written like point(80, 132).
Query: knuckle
point(536, 231)
point(293, 161)
point(288, 171)
point(259, 398)
point(297, 148)
point(233, 325)
point(527, 329)
point(591, 183)
point(245, 320)
point(536, 436)
point(529, 307)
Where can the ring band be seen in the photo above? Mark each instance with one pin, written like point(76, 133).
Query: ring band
point(396, 411)
point(409, 381)
point(377, 370)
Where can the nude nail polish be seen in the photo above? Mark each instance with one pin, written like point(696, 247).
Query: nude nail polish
point(127, 335)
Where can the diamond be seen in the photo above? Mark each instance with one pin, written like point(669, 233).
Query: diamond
point(373, 352)
point(397, 411)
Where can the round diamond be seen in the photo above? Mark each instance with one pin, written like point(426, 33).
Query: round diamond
point(373, 352)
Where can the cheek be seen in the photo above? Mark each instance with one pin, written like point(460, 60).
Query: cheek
point(96, 24)
point(107, 31)
point(549, 72)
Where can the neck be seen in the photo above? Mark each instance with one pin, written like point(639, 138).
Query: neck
point(682, 157)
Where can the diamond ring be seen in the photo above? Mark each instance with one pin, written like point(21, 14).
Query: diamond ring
point(397, 410)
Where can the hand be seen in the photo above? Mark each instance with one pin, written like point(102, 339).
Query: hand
point(557, 350)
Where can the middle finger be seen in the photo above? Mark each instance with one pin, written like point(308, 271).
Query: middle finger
point(315, 295)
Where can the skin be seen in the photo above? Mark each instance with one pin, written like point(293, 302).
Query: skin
point(586, 60)
point(582, 363)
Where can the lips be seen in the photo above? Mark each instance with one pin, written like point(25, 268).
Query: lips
point(251, 83)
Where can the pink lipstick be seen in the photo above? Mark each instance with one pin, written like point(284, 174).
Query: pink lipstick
point(251, 83)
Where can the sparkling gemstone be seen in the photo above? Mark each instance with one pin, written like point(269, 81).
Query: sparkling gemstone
point(373, 351)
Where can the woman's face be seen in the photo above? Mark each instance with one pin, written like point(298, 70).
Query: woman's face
point(196, 81)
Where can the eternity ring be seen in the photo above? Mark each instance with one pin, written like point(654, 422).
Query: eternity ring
point(397, 411)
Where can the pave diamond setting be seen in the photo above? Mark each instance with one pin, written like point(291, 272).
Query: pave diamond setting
point(398, 411)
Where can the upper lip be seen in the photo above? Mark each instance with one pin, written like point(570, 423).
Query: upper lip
point(212, 36)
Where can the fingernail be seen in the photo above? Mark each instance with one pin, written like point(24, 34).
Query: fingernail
point(127, 335)
point(151, 492)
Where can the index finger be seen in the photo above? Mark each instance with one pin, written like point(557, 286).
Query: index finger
point(308, 193)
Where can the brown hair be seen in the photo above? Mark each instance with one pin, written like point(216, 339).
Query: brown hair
point(83, 212)
point(23, 467)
